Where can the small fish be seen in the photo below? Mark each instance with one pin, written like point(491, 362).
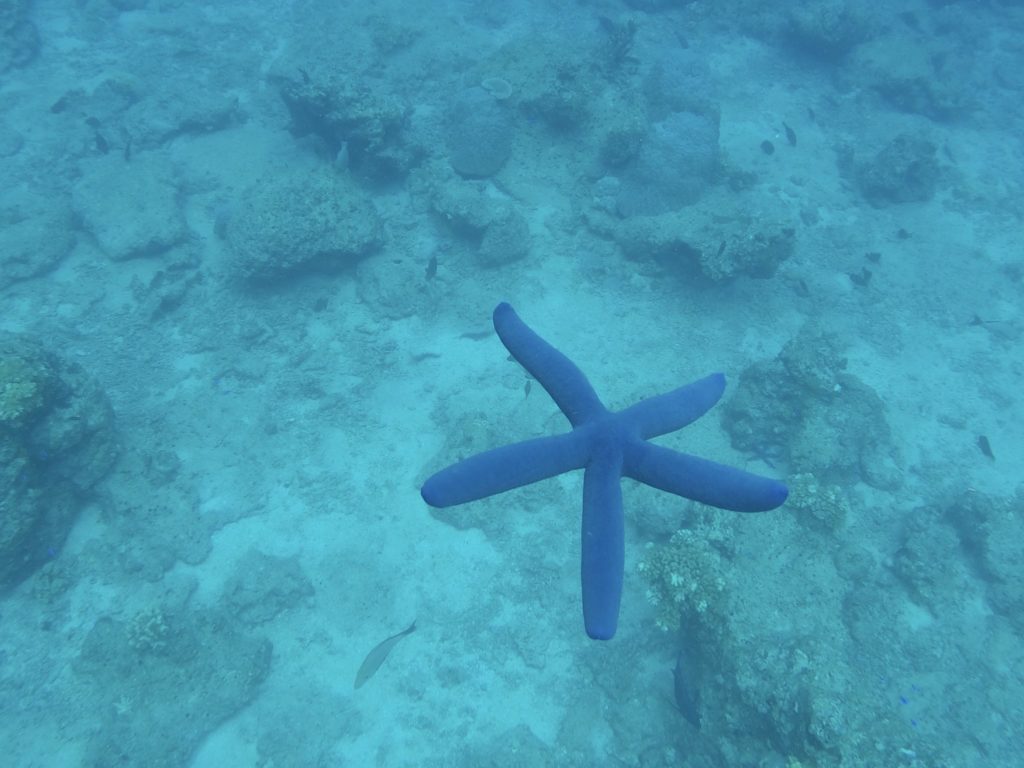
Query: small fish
point(861, 278)
point(419, 357)
point(342, 159)
point(102, 145)
point(376, 657)
point(767, 147)
point(128, 149)
point(910, 19)
point(985, 447)
point(526, 388)
point(432, 267)
point(978, 321)
point(790, 134)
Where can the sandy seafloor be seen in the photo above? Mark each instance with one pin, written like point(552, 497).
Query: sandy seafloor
point(261, 529)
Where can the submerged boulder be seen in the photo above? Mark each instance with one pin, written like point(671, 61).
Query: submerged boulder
point(676, 162)
point(479, 133)
point(57, 440)
point(313, 222)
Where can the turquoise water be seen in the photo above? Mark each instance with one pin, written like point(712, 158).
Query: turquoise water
point(248, 259)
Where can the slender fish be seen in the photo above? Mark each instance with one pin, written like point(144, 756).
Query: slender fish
point(790, 135)
point(376, 657)
point(985, 447)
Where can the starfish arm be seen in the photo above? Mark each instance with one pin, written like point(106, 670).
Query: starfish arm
point(674, 410)
point(502, 469)
point(701, 480)
point(603, 543)
point(558, 374)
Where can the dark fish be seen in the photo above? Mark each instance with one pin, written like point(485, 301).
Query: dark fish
point(978, 321)
point(790, 135)
point(526, 388)
point(305, 75)
point(986, 447)
point(432, 267)
point(376, 657)
point(861, 278)
point(476, 335)
point(767, 147)
point(687, 695)
point(910, 19)
point(421, 356)
point(102, 144)
point(873, 256)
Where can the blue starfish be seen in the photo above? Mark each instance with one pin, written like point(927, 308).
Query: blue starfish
point(606, 446)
